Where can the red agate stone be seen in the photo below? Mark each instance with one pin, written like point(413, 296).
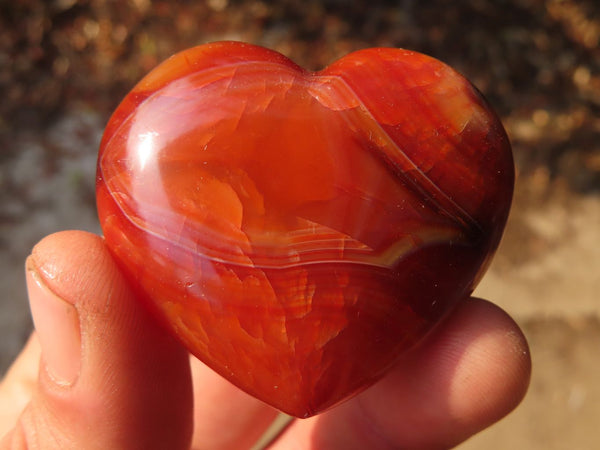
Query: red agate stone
point(298, 231)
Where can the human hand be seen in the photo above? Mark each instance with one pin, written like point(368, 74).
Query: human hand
point(100, 373)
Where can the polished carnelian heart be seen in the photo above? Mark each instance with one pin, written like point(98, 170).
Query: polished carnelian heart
point(299, 231)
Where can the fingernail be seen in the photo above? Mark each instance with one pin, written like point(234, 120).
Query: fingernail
point(57, 325)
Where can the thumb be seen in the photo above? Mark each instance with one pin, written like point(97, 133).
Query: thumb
point(109, 376)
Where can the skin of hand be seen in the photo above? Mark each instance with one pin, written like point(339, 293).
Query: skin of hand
point(99, 373)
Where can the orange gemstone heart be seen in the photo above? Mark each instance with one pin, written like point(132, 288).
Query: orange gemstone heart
point(298, 231)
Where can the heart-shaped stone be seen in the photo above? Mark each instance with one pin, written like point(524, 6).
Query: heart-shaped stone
point(298, 231)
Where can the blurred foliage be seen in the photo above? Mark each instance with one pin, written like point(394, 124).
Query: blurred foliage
point(538, 62)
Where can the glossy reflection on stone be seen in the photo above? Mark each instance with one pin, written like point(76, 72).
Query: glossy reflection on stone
point(299, 231)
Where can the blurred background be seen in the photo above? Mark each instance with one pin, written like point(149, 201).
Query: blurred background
point(66, 64)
